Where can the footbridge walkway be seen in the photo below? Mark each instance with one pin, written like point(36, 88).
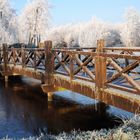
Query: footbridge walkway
point(108, 74)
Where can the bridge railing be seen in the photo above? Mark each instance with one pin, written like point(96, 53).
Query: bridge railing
point(25, 57)
point(75, 64)
point(115, 67)
point(123, 68)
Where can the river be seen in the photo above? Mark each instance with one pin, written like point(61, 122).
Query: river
point(25, 111)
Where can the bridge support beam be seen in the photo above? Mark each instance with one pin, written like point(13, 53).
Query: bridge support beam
point(5, 60)
point(49, 64)
point(50, 96)
point(6, 81)
point(6, 78)
point(49, 90)
point(48, 80)
point(108, 95)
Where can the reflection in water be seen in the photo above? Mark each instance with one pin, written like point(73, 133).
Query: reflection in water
point(24, 111)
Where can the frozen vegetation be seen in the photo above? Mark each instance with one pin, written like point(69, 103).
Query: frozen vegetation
point(32, 25)
point(130, 130)
point(33, 22)
point(86, 34)
point(8, 22)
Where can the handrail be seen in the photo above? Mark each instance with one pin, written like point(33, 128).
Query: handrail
point(89, 64)
point(123, 48)
point(75, 48)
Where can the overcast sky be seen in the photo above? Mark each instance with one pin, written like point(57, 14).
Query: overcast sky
point(73, 11)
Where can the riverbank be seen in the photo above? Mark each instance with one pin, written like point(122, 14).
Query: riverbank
point(130, 130)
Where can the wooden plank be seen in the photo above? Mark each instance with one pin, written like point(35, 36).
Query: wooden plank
point(133, 49)
point(71, 67)
point(35, 61)
point(14, 56)
point(126, 76)
point(76, 52)
point(18, 56)
point(5, 58)
point(85, 61)
point(108, 96)
point(63, 64)
point(83, 78)
point(100, 67)
point(61, 72)
point(40, 58)
point(49, 64)
point(72, 48)
point(23, 57)
point(80, 63)
point(29, 56)
point(114, 55)
point(66, 57)
point(122, 88)
point(124, 70)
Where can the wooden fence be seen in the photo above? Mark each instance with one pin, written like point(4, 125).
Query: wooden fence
point(115, 67)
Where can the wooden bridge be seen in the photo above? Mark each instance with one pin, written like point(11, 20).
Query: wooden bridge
point(110, 75)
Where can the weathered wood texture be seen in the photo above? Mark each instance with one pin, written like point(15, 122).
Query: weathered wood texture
point(108, 95)
point(5, 59)
point(49, 63)
point(100, 67)
point(93, 72)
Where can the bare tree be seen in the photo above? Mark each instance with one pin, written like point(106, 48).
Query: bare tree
point(34, 22)
point(8, 23)
point(130, 31)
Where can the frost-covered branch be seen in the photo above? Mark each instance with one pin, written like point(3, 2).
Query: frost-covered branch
point(33, 22)
point(84, 34)
point(130, 30)
point(8, 24)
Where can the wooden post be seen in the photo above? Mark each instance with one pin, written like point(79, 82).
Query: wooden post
point(50, 96)
point(35, 67)
point(23, 56)
point(14, 56)
point(5, 58)
point(79, 55)
point(71, 67)
point(100, 67)
point(49, 64)
point(6, 78)
point(48, 80)
point(0, 54)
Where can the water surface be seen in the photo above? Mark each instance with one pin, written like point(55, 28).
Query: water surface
point(25, 111)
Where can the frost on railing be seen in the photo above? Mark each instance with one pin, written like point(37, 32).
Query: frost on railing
point(116, 68)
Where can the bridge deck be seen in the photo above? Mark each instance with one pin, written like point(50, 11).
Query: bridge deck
point(112, 96)
point(111, 75)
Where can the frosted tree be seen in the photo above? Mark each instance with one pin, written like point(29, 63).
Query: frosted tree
point(84, 34)
point(65, 35)
point(130, 29)
point(57, 34)
point(34, 21)
point(72, 36)
point(8, 23)
point(97, 29)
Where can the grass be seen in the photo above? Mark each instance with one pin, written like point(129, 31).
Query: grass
point(130, 130)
